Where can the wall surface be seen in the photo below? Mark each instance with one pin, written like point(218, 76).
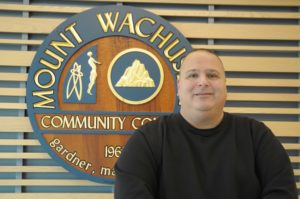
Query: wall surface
point(258, 40)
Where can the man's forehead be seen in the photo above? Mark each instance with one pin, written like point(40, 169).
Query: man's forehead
point(207, 70)
point(198, 57)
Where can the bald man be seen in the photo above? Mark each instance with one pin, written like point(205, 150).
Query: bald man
point(203, 152)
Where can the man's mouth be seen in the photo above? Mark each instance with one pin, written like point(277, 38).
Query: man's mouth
point(203, 94)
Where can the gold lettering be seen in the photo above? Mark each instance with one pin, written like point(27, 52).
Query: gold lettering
point(56, 57)
point(81, 123)
point(91, 125)
point(176, 67)
point(37, 75)
point(66, 43)
point(122, 122)
point(57, 124)
point(102, 122)
point(74, 32)
point(127, 22)
point(47, 100)
point(138, 26)
point(133, 122)
point(109, 23)
point(164, 39)
point(68, 123)
point(113, 122)
point(43, 121)
point(105, 171)
point(54, 142)
point(175, 55)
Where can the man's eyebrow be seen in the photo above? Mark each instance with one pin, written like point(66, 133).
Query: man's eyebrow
point(212, 70)
point(192, 70)
point(207, 70)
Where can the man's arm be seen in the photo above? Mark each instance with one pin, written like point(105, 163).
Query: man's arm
point(136, 170)
point(274, 169)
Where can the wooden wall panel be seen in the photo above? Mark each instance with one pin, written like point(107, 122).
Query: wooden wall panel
point(258, 42)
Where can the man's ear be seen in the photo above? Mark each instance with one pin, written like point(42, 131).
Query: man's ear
point(178, 85)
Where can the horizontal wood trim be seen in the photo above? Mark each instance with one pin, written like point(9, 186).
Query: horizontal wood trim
point(13, 77)
point(15, 124)
point(257, 110)
point(19, 142)
point(42, 8)
point(238, 31)
point(62, 195)
point(195, 46)
point(248, 48)
point(297, 172)
point(272, 97)
point(252, 110)
point(21, 124)
point(263, 82)
point(214, 2)
point(263, 97)
point(289, 146)
point(48, 182)
point(13, 106)
point(190, 30)
point(57, 195)
point(284, 129)
point(21, 92)
point(21, 41)
point(232, 63)
point(16, 58)
point(13, 155)
point(54, 169)
point(32, 142)
point(261, 64)
point(224, 14)
point(295, 159)
point(33, 169)
point(28, 25)
point(263, 68)
point(230, 81)
point(161, 12)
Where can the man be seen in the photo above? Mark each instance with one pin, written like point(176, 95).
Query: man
point(203, 152)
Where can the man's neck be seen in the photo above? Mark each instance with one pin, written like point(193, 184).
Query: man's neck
point(203, 119)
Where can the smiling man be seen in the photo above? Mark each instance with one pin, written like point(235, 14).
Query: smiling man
point(202, 89)
point(203, 152)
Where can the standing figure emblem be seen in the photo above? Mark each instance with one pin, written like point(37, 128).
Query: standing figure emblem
point(93, 74)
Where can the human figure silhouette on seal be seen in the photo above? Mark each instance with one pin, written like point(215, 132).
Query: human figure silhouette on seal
point(93, 74)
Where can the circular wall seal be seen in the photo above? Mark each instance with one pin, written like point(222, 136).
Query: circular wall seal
point(96, 78)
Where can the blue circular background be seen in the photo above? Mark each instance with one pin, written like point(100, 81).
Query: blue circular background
point(135, 93)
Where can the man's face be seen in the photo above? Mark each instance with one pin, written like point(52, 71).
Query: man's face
point(202, 84)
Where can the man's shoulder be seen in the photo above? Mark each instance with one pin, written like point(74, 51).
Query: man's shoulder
point(256, 128)
point(160, 123)
point(244, 120)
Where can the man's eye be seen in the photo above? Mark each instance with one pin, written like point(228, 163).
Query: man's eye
point(193, 75)
point(212, 75)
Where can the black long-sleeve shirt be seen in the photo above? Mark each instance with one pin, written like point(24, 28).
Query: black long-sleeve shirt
point(170, 159)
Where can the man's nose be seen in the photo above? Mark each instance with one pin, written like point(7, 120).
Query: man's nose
point(202, 80)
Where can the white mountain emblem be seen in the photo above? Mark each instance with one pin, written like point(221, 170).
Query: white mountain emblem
point(136, 75)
